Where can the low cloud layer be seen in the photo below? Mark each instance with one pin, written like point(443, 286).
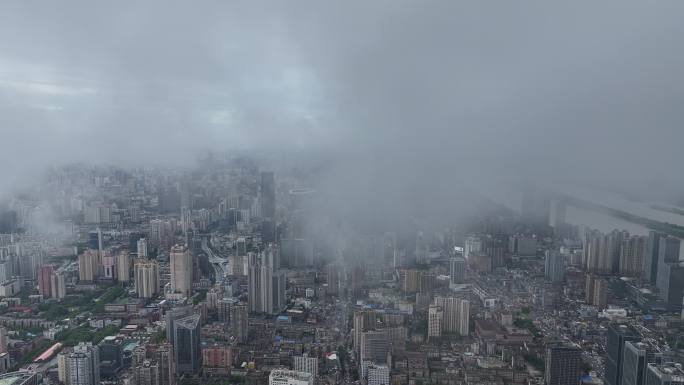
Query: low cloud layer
point(402, 96)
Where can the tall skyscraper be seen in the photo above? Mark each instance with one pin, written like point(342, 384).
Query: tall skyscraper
point(267, 194)
point(562, 365)
point(458, 267)
point(375, 346)
point(88, 266)
point(554, 266)
point(142, 248)
point(123, 267)
point(83, 365)
point(670, 283)
point(171, 316)
point(187, 345)
point(435, 320)
point(239, 322)
point(3, 340)
point(456, 315)
point(636, 357)
point(364, 320)
point(181, 270)
point(44, 274)
point(651, 253)
point(58, 285)
point(146, 278)
point(632, 255)
point(617, 335)
point(266, 286)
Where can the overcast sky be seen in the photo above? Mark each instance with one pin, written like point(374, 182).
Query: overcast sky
point(399, 93)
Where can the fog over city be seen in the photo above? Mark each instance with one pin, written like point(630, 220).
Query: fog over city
point(392, 93)
point(324, 192)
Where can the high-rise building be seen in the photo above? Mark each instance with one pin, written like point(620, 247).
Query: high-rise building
point(670, 283)
point(44, 273)
point(289, 377)
point(554, 266)
point(266, 286)
point(146, 373)
point(456, 314)
point(239, 322)
point(333, 275)
point(651, 253)
point(377, 375)
point(88, 266)
point(123, 267)
point(306, 364)
point(364, 320)
point(375, 346)
point(162, 355)
point(171, 316)
point(187, 345)
point(563, 365)
point(58, 285)
point(142, 248)
point(632, 255)
point(458, 267)
point(669, 373)
point(473, 244)
point(267, 194)
point(146, 278)
point(435, 319)
point(82, 365)
point(636, 357)
point(181, 270)
point(617, 335)
point(3, 340)
point(111, 356)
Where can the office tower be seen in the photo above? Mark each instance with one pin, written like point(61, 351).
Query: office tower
point(3, 339)
point(377, 374)
point(88, 266)
point(83, 365)
point(375, 346)
point(58, 285)
point(632, 255)
point(636, 357)
point(123, 267)
point(142, 248)
point(111, 358)
point(267, 195)
point(562, 365)
point(554, 266)
point(146, 278)
point(181, 270)
point(617, 335)
point(669, 249)
point(669, 373)
point(171, 316)
point(670, 283)
point(306, 364)
point(458, 267)
point(289, 377)
point(364, 320)
point(187, 345)
point(239, 322)
point(44, 274)
point(435, 319)
point(146, 373)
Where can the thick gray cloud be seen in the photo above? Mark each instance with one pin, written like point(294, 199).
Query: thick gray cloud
point(404, 96)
